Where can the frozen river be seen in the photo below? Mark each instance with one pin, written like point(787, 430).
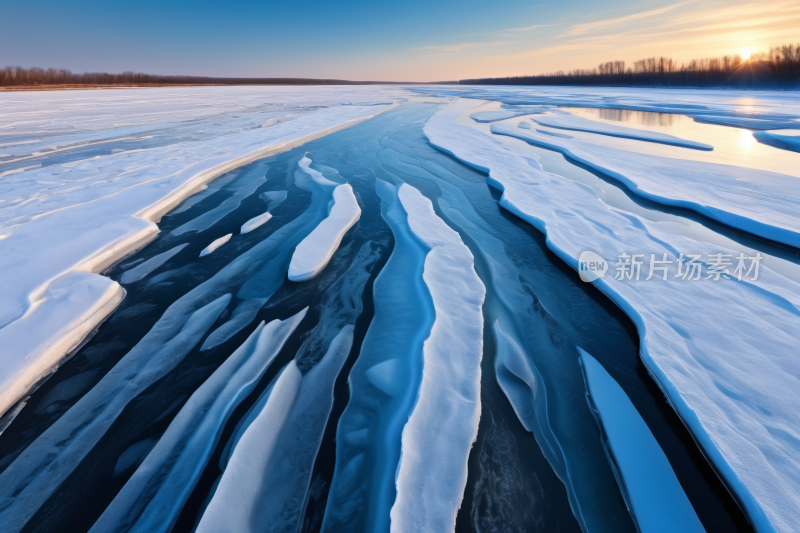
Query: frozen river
point(359, 310)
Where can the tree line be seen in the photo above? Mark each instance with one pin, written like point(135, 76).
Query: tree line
point(31, 77)
point(780, 67)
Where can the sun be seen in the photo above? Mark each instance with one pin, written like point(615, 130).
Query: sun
point(746, 53)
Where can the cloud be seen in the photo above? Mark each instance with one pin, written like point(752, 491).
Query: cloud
point(589, 26)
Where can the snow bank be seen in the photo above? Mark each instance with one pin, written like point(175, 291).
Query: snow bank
point(761, 202)
point(255, 222)
point(215, 244)
point(569, 122)
point(154, 496)
point(726, 363)
point(86, 215)
point(314, 252)
point(652, 492)
point(141, 271)
point(47, 462)
point(439, 433)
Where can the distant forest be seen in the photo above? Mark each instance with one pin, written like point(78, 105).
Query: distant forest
point(778, 68)
point(32, 77)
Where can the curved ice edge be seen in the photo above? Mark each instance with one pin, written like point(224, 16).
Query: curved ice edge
point(312, 254)
point(115, 250)
point(652, 493)
point(720, 214)
point(432, 472)
point(735, 486)
point(618, 131)
point(72, 308)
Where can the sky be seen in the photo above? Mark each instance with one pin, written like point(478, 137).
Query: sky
point(412, 40)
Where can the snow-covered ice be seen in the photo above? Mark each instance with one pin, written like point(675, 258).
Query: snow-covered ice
point(444, 422)
point(216, 243)
point(652, 492)
point(726, 363)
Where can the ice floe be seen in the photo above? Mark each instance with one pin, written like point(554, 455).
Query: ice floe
point(653, 494)
point(255, 222)
point(786, 142)
point(443, 424)
point(726, 363)
point(269, 484)
point(314, 252)
point(215, 244)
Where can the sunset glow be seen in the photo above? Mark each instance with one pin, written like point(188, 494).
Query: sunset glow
point(746, 53)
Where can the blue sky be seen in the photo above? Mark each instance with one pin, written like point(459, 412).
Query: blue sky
point(413, 40)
